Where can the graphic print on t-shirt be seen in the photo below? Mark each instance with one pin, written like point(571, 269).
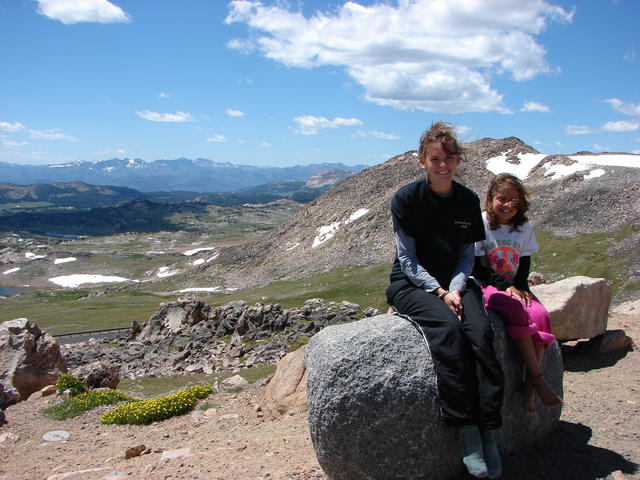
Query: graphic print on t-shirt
point(504, 260)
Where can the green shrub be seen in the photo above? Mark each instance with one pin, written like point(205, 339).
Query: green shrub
point(301, 342)
point(84, 402)
point(66, 381)
point(157, 409)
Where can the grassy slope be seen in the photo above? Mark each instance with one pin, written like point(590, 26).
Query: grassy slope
point(60, 311)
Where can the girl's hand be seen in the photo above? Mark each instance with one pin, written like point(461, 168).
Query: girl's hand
point(522, 295)
point(454, 302)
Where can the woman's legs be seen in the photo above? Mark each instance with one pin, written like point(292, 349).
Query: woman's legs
point(455, 369)
point(479, 333)
point(456, 382)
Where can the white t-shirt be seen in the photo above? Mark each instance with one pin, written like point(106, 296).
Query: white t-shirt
point(502, 249)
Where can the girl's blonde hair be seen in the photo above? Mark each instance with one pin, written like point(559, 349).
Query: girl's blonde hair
point(498, 182)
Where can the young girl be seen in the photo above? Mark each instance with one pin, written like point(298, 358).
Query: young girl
point(502, 266)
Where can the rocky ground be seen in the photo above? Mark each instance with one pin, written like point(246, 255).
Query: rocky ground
point(230, 437)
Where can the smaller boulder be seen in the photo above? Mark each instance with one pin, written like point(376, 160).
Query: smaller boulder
point(578, 306)
point(609, 341)
point(233, 382)
point(98, 375)
point(287, 390)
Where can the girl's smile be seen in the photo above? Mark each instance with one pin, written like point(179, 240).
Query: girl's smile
point(505, 204)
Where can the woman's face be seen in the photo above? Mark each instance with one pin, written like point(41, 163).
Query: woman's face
point(440, 165)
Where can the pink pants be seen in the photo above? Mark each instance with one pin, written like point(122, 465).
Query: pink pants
point(520, 321)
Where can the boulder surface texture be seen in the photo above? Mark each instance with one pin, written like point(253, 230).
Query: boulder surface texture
point(30, 359)
point(98, 374)
point(372, 402)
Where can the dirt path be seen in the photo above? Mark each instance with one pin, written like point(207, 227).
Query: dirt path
point(598, 436)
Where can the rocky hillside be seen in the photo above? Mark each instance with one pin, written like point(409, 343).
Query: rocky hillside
point(350, 225)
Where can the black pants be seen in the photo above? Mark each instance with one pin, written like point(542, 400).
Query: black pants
point(469, 378)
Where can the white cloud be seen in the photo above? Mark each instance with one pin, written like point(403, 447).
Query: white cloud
point(628, 108)
point(577, 130)
point(265, 144)
point(163, 95)
point(52, 134)
point(309, 125)
point(383, 136)
point(234, 113)
point(406, 56)
point(630, 56)
point(165, 117)
point(12, 144)
point(76, 11)
point(11, 127)
point(462, 129)
point(217, 139)
point(621, 126)
point(637, 151)
point(535, 107)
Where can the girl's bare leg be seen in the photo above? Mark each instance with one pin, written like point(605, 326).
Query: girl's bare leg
point(532, 356)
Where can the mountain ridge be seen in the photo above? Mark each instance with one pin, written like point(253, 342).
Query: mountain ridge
point(321, 236)
point(201, 175)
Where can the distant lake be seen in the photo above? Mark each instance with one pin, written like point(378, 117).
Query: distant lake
point(7, 292)
point(61, 235)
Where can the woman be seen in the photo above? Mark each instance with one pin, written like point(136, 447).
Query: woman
point(436, 222)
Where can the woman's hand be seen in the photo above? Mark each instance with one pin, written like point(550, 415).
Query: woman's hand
point(522, 295)
point(454, 302)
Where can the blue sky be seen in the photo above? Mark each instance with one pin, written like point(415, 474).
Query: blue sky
point(282, 83)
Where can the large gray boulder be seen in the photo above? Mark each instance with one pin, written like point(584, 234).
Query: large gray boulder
point(578, 306)
point(371, 389)
point(30, 359)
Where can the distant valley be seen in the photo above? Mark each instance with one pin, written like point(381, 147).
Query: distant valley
point(77, 208)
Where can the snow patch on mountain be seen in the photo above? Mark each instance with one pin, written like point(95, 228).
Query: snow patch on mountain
point(165, 272)
point(188, 253)
point(526, 162)
point(73, 281)
point(609, 160)
point(327, 232)
point(64, 260)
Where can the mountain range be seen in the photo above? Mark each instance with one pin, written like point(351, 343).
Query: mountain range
point(350, 225)
point(586, 213)
point(199, 175)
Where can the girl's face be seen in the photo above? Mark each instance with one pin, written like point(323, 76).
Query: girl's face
point(505, 204)
point(440, 166)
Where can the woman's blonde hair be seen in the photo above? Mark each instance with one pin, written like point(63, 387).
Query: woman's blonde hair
point(439, 132)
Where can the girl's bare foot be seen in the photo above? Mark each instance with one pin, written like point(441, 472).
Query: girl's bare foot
point(548, 396)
